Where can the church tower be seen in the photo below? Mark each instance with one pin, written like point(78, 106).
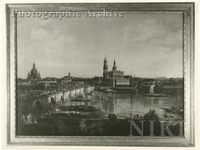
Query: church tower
point(114, 66)
point(105, 69)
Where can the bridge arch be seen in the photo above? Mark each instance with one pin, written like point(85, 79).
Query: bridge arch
point(37, 106)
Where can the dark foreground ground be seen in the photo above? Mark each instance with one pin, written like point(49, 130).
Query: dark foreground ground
point(64, 125)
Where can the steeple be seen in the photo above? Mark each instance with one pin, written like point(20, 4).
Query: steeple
point(114, 66)
point(105, 68)
point(34, 65)
point(105, 60)
point(105, 65)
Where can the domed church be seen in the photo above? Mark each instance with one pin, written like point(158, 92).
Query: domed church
point(34, 74)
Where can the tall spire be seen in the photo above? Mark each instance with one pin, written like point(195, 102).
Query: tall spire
point(105, 58)
point(34, 65)
point(114, 65)
point(105, 68)
point(105, 65)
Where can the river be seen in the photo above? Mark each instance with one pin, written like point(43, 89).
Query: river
point(121, 104)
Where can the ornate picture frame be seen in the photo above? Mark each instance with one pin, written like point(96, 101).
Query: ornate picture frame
point(187, 9)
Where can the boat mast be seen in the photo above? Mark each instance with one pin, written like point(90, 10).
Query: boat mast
point(151, 90)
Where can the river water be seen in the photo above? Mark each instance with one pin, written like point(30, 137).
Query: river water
point(121, 104)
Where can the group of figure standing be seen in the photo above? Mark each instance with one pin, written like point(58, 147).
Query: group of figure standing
point(83, 125)
point(29, 119)
point(45, 115)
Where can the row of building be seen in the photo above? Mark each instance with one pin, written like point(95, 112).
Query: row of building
point(113, 78)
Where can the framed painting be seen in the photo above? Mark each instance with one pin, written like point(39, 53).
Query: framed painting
point(100, 74)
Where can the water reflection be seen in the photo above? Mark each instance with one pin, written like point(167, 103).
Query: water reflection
point(121, 104)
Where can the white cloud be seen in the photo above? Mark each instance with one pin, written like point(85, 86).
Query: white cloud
point(143, 44)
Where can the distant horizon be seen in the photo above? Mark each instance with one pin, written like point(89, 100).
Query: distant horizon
point(96, 75)
point(102, 77)
point(144, 45)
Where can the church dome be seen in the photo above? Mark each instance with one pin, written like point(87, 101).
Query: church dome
point(34, 72)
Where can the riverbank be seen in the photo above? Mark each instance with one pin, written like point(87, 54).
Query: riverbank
point(63, 125)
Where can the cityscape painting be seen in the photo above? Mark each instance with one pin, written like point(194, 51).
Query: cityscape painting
point(104, 73)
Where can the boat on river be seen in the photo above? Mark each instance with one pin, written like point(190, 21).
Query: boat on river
point(152, 94)
point(79, 108)
point(80, 100)
point(157, 95)
point(175, 110)
point(109, 90)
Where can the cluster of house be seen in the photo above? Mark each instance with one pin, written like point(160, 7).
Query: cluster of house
point(35, 82)
point(113, 78)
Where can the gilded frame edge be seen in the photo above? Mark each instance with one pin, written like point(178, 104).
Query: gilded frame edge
point(188, 56)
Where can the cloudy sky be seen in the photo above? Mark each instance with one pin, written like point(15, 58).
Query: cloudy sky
point(144, 45)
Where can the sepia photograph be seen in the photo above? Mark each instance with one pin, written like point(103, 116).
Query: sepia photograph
point(101, 73)
point(91, 76)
